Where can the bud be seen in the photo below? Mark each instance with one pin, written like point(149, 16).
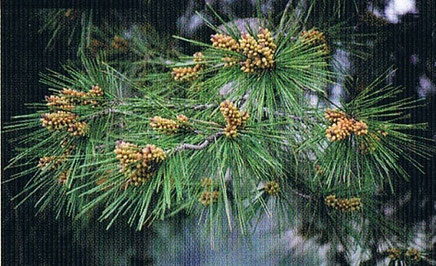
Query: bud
point(272, 188)
point(344, 205)
point(207, 198)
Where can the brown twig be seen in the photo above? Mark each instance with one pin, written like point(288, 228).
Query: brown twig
point(206, 142)
point(203, 106)
point(302, 195)
point(195, 106)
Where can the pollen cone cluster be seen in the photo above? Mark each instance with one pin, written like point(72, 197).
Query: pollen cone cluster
point(55, 161)
point(164, 125)
point(68, 98)
point(342, 126)
point(62, 118)
point(75, 96)
point(272, 188)
point(96, 91)
point(235, 119)
point(59, 102)
point(83, 98)
point(230, 61)
point(183, 121)
point(189, 73)
point(198, 57)
point(52, 161)
point(127, 153)
point(316, 38)
point(137, 164)
point(64, 121)
point(169, 126)
point(259, 53)
point(185, 73)
point(207, 198)
point(120, 44)
point(344, 205)
point(394, 254)
point(413, 254)
point(224, 42)
point(334, 115)
point(360, 128)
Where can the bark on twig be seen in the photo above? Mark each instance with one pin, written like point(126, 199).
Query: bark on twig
point(206, 142)
point(202, 106)
point(302, 195)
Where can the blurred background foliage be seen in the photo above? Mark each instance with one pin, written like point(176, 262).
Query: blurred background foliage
point(35, 39)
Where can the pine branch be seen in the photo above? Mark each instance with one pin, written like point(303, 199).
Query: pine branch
point(285, 140)
point(187, 146)
point(202, 106)
point(305, 196)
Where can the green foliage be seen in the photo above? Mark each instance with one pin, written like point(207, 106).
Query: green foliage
point(284, 140)
point(368, 161)
point(299, 69)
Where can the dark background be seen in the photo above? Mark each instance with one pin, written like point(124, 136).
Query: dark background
point(26, 239)
point(41, 240)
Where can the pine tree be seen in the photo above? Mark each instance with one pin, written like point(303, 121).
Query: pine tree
point(227, 135)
